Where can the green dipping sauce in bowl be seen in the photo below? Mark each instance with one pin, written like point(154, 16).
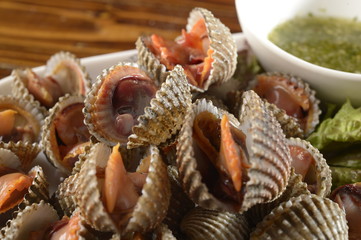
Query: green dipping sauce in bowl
point(325, 41)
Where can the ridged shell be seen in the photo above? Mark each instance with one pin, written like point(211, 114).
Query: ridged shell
point(159, 121)
point(289, 125)
point(66, 194)
point(151, 206)
point(304, 217)
point(49, 135)
point(26, 109)
point(20, 90)
point(268, 155)
point(322, 170)
point(25, 151)
point(38, 190)
point(295, 188)
point(44, 215)
point(300, 88)
point(189, 175)
point(165, 115)
point(201, 223)
point(179, 203)
point(221, 42)
point(9, 159)
point(63, 66)
point(217, 102)
point(33, 217)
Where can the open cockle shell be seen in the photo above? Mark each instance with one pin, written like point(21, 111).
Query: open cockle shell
point(165, 115)
point(33, 217)
point(268, 156)
point(39, 217)
point(64, 68)
point(189, 176)
point(148, 212)
point(305, 217)
point(50, 134)
point(300, 90)
point(25, 151)
point(72, 76)
point(320, 173)
point(221, 42)
point(201, 223)
point(20, 90)
point(30, 118)
point(155, 125)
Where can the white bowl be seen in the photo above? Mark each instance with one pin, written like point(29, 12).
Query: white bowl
point(259, 17)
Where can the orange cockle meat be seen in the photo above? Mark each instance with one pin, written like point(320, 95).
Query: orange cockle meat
point(13, 187)
point(191, 50)
point(121, 189)
point(7, 120)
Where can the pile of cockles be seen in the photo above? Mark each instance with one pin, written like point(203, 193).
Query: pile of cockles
point(186, 143)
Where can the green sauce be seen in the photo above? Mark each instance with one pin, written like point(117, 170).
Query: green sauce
point(326, 41)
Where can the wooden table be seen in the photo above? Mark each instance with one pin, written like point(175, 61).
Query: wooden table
point(32, 30)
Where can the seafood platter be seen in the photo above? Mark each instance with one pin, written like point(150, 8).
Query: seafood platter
point(179, 139)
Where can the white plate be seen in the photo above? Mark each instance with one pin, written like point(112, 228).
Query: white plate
point(94, 65)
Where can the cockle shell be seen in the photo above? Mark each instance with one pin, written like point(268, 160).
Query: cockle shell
point(66, 194)
point(179, 203)
point(295, 188)
point(33, 217)
point(25, 151)
point(305, 217)
point(221, 42)
point(268, 155)
point(201, 223)
point(160, 120)
point(300, 89)
point(64, 68)
point(322, 174)
point(151, 206)
point(32, 117)
point(36, 192)
point(50, 134)
point(289, 125)
point(36, 217)
point(165, 115)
